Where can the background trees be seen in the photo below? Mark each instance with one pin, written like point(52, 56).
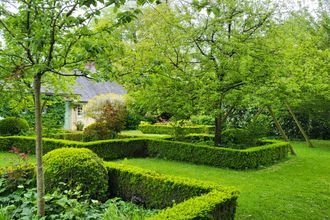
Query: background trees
point(219, 58)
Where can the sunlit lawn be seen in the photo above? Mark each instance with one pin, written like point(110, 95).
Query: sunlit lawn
point(298, 188)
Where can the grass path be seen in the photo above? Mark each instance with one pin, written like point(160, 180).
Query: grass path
point(298, 188)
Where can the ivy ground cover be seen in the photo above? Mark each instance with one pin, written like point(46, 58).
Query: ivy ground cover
point(298, 188)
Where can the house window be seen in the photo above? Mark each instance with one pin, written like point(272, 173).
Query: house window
point(79, 111)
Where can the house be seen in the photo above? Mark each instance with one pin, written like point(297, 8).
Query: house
point(86, 89)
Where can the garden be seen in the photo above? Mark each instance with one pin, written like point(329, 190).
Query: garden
point(164, 110)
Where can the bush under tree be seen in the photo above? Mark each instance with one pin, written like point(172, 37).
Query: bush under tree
point(13, 126)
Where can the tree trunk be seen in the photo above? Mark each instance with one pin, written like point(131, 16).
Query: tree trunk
point(280, 129)
point(218, 130)
point(38, 128)
point(299, 125)
point(255, 117)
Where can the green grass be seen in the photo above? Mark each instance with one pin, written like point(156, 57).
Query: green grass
point(137, 133)
point(9, 159)
point(298, 188)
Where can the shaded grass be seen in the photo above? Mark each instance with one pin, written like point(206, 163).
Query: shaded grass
point(298, 188)
point(10, 159)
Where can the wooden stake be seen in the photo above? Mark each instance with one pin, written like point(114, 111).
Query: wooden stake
point(301, 129)
point(280, 129)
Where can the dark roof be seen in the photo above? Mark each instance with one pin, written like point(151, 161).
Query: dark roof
point(87, 88)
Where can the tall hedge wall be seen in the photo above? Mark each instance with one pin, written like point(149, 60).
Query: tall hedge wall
point(168, 129)
point(182, 198)
point(254, 157)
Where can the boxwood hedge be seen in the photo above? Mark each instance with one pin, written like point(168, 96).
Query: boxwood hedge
point(253, 157)
point(106, 149)
point(168, 129)
point(218, 156)
point(179, 198)
point(182, 198)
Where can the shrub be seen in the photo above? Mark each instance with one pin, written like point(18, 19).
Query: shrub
point(132, 121)
point(253, 157)
point(14, 176)
point(76, 167)
point(170, 129)
point(217, 156)
point(109, 112)
point(202, 120)
point(13, 126)
point(192, 199)
point(80, 125)
point(98, 131)
point(107, 149)
point(72, 136)
point(238, 138)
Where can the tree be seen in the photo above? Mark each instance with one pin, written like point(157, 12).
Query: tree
point(198, 57)
point(301, 73)
point(44, 40)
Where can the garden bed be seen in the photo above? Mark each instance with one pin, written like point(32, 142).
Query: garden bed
point(255, 157)
point(179, 198)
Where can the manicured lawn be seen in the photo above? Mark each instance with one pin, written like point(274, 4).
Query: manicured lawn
point(298, 188)
point(9, 159)
point(137, 133)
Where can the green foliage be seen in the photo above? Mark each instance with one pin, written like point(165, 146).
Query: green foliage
point(3, 214)
point(237, 138)
point(98, 131)
point(80, 126)
point(72, 136)
point(120, 210)
point(263, 189)
point(76, 167)
point(16, 176)
point(52, 117)
point(133, 120)
point(205, 139)
point(68, 205)
point(217, 156)
point(13, 126)
point(159, 191)
point(109, 112)
point(253, 157)
point(170, 129)
point(107, 149)
point(202, 120)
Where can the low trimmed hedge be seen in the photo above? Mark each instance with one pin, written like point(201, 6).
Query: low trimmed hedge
point(107, 149)
point(253, 157)
point(182, 198)
point(72, 136)
point(79, 136)
point(168, 129)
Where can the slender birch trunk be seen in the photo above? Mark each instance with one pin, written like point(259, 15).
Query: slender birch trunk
point(38, 129)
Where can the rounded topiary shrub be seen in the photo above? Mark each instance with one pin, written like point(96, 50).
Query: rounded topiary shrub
point(13, 126)
point(76, 167)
